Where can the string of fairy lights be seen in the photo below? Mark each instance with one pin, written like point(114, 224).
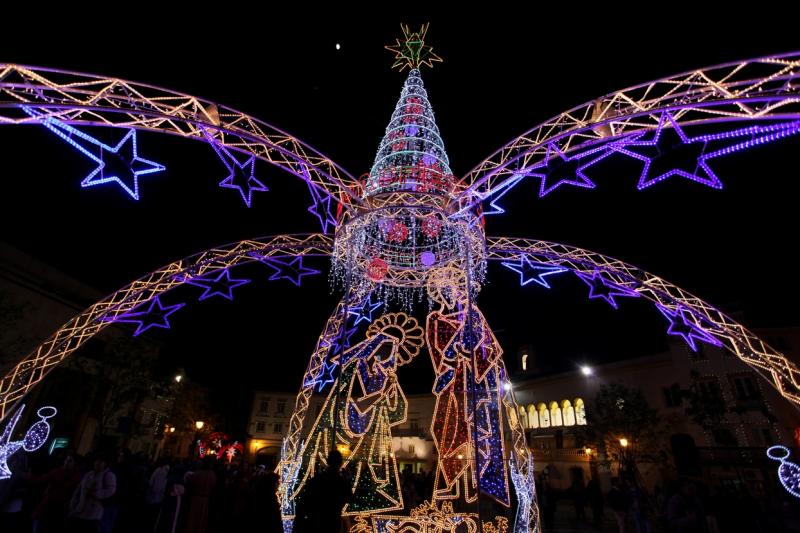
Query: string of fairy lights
point(406, 231)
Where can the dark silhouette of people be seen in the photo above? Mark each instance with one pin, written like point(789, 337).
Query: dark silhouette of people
point(685, 512)
point(595, 498)
point(618, 501)
point(319, 505)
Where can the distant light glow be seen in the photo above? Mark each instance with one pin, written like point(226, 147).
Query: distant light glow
point(338, 46)
point(587, 370)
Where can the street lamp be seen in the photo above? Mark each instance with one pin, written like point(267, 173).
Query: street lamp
point(586, 370)
point(199, 425)
point(623, 442)
point(178, 378)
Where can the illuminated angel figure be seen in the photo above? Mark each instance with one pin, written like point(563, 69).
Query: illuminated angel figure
point(370, 403)
point(469, 396)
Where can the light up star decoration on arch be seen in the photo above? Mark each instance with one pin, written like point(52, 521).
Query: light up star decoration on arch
point(530, 271)
point(154, 316)
point(220, 285)
point(241, 175)
point(118, 164)
point(559, 169)
point(291, 269)
point(683, 327)
point(364, 312)
point(600, 287)
point(668, 151)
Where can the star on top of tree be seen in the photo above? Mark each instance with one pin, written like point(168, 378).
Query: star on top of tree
point(412, 51)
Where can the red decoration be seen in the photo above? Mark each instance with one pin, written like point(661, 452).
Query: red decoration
point(431, 227)
point(377, 269)
point(397, 233)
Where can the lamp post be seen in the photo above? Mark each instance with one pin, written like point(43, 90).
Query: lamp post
point(198, 425)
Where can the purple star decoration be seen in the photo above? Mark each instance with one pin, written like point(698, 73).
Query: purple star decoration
point(669, 151)
point(684, 327)
point(323, 378)
point(118, 164)
point(530, 271)
point(321, 208)
point(241, 176)
point(221, 285)
point(559, 169)
point(364, 311)
point(155, 316)
point(600, 287)
point(287, 268)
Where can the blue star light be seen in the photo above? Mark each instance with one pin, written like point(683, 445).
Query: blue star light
point(119, 164)
point(682, 326)
point(292, 270)
point(321, 208)
point(364, 311)
point(323, 378)
point(671, 152)
point(155, 316)
point(600, 287)
point(559, 169)
point(530, 271)
point(221, 285)
point(241, 175)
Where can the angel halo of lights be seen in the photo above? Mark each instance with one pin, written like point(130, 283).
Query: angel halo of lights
point(410, 229)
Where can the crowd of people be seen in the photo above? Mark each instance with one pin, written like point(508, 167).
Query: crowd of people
point(684, 507)
point(129, 494)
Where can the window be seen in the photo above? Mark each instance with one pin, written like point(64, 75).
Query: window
point(523, 418)
point(555, 415)
point(724, 437)
point(264, 407)
point(709, 388)
point(524, 362)
point(745, 387)
point(568, 412)
point(673, 396)
point(281, 407)
point(414, 424)
point(533, 417)
point(580, 412)
point(260, 426)
point(410, 448)
point(544, 416)
point(277, 428)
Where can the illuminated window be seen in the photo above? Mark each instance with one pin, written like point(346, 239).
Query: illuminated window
point(568, 412)
point(544, 416)
point(555, 415)
point(533, 417)
point(524, 361)
point(523, 418)
point(580, 412)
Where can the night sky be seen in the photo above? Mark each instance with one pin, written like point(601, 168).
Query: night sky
point(502, 75)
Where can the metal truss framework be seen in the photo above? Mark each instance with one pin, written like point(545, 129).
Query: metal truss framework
point(764, 89)
point(91, 100)
point(770, 363)
point(69, 337)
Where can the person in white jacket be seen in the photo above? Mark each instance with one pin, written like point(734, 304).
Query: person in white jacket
point(86, 507)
